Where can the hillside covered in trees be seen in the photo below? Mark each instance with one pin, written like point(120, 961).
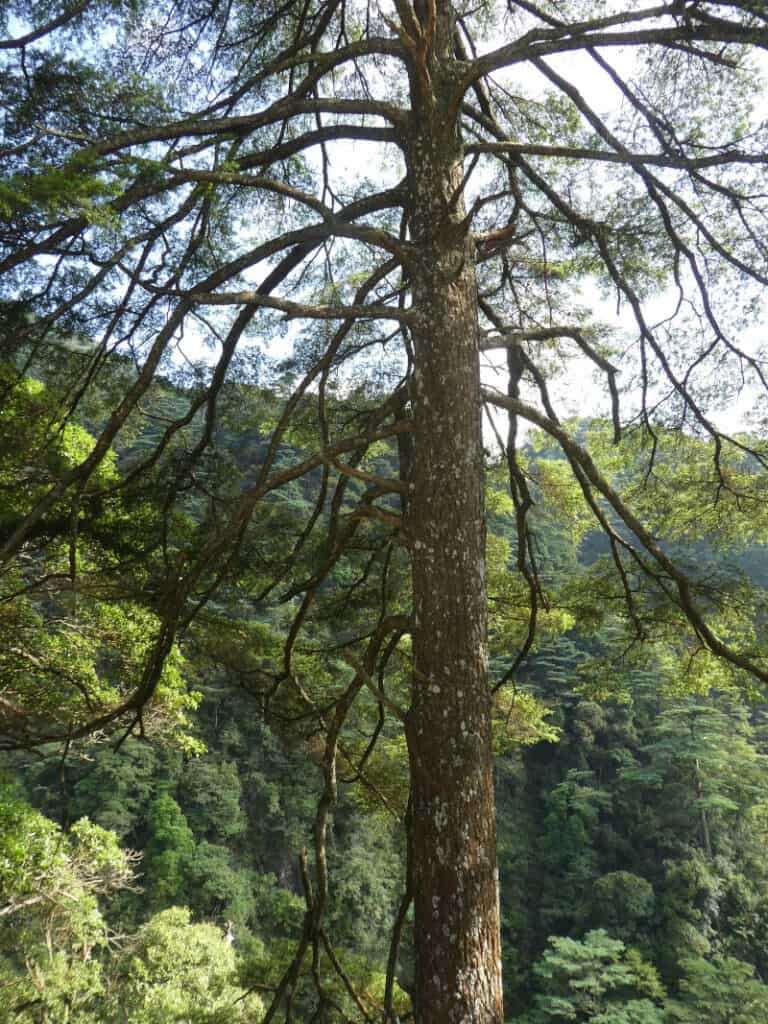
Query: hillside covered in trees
point(164, 877)
point(345, 673)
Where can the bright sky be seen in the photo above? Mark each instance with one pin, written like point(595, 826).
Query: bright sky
point(582, 393)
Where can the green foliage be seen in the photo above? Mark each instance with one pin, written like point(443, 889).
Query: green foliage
point(40, 866)
point(173, 970)
point(115, 787)
point(60, 668)
point(596, 979)
point(212, 794)
point(693, 492)
point(58, 190)
point(217, 887)
point(36, 449)
point(704, 761)
point(51, 926)
point(367, 868)
point(643, 817)
point(519, 718)
point(168, 852)
point(722, 990)
point(56, 964)
point(75, 627)
point(623, 902)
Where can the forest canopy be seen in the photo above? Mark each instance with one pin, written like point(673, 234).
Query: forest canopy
point(294, 295)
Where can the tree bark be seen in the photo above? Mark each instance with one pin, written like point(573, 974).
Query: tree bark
point(453, 839)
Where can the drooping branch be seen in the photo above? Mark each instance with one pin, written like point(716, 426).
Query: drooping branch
point(511, 338)
point(685, 599)
point(172, 606)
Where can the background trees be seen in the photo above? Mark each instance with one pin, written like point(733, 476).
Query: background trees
point(584, 845)
point(175, 179)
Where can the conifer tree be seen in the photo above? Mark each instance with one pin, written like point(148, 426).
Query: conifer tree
point(174, 175)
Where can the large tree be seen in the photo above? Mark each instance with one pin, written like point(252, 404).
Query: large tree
point(410, 185)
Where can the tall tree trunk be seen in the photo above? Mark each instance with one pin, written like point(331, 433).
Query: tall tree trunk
point(453, 839)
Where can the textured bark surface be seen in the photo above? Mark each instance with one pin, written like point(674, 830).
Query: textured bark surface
point(453, 841)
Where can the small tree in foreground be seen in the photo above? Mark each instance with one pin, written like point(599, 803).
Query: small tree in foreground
point(174, 970)
point(174, 175)
point(52, 933)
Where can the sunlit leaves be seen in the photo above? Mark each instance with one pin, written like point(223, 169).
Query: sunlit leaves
point(519, 718)
point(51, 927)
point(75, 637)
point(68, 669)
point(172, 969)
point(41, 866)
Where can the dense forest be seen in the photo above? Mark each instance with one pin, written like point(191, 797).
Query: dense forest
point(636, 890)
point(383, 519)
point(164, 877)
